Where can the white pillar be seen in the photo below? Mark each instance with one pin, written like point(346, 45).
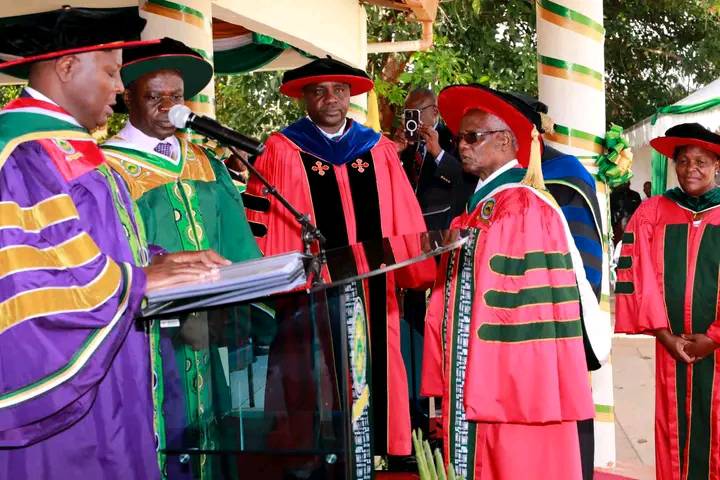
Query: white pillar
point(571, 66)
point(359, 104)
point(189, 21)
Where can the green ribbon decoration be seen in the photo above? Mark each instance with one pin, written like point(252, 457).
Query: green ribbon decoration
point(572, 67)
point(573, 15)
point(613, 169)
point(571, 132)
point(680, 109)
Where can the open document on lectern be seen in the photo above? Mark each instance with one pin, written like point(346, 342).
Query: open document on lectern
point(237, 282)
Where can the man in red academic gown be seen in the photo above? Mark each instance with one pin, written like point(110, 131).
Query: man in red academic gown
point(350, 182)
point(503, 333)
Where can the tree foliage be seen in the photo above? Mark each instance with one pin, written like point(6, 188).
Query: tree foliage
point(253, 103)
point(476, 41)
point(7, 93)
point(655, 53)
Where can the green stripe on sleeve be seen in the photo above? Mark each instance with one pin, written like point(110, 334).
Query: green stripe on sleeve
point(531, 296)
point(530, 331)
point(625, 288)
point(624, 262)
point(516, 266)
point(628, 238)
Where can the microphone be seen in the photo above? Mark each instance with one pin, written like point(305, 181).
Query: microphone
point(182, 117)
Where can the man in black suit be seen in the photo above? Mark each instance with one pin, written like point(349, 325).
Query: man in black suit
point(442, 189)
point(432, 166)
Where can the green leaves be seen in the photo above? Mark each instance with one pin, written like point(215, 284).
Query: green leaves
point(430, 465)
point(8, 92)
point(253, 103)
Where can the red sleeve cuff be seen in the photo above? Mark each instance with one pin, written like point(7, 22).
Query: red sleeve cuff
point(714, 333)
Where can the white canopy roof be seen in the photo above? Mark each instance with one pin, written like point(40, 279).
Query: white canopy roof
point(640, 134)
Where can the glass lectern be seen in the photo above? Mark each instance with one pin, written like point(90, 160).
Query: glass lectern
point(277, 386)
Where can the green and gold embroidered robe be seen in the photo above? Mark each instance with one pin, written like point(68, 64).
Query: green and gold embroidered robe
point(192, 205)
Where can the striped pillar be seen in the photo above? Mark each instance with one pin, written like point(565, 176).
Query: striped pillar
point(189, 21)
point(571, 65)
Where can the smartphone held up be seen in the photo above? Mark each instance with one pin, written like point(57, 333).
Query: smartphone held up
point(411, 121)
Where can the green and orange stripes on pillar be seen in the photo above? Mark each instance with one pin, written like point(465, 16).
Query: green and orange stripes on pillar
point(573, 72)
point(176, 11)
point(201, 104)
point(604, 413)
point(571, 20)
point(576, 138)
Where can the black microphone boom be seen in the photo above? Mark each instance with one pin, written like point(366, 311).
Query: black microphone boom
point(182, 117)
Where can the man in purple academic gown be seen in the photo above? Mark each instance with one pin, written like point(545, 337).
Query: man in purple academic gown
point(76, 396)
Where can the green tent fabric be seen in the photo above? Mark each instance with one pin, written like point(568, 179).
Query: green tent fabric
point(246, 58)
point(658, 177)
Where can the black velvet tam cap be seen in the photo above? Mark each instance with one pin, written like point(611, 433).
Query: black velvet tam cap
point(686, 134)
point(27, 39)
point(169, 54)
point(456, 100)
point(325, 70)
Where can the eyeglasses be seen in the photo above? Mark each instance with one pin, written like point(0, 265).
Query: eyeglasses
point(472, 137)
point(426, 107)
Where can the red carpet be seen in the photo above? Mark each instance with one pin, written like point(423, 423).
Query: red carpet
point(412, 476)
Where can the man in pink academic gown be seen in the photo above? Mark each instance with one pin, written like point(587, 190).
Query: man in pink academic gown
point(503, 334)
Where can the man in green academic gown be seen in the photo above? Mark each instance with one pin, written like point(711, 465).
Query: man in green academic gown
point(188, 202)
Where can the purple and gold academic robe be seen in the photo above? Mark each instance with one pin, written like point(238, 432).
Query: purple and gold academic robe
point(354, 189)
point(75, 374)
point(503, 340)
point(668, 278)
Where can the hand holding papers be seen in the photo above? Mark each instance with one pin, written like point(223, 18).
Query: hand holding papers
point(263, 277)
point(233, 283)
point(183, 267)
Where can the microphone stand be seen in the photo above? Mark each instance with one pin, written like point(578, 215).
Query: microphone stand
point(310, 233)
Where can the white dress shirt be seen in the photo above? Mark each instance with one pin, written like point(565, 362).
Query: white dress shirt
point(496, 173)
point(331, 135)
point(145, 142)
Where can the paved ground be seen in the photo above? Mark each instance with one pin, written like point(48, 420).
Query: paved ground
point(633, 360)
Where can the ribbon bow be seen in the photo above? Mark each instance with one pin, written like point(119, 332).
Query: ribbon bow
point(614, 166)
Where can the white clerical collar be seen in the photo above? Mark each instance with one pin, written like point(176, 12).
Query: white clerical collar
point(146, 142)
point(496, 173)
point(331, 135)
point(43, 98)
point(39, 96)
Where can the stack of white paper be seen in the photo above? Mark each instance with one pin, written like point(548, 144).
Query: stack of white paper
point(238, 282)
